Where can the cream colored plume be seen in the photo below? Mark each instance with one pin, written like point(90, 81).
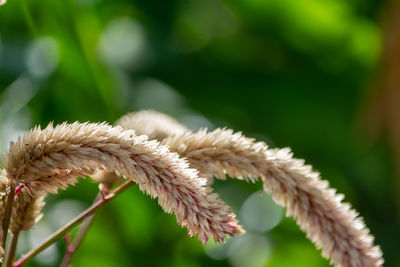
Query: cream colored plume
point(332, 225)
point(154, 124)
point(26, 209)
point(51, 159)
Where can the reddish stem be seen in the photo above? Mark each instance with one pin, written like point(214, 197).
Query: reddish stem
point(67, 227)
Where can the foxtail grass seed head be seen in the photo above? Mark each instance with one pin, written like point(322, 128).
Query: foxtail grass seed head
point(26, 210)
point(328, 222)
point(332, 225)
point(154, 124)
point(51, 159)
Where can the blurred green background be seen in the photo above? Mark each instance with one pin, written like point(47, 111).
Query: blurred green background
point(301, 73)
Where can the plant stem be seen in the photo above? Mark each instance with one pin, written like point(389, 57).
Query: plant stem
point(11, 249)
point(7, 213)
point(72, 248)
point(67, 227)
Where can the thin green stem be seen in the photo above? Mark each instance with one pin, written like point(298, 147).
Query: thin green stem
point(12, 247)
point(74, 222)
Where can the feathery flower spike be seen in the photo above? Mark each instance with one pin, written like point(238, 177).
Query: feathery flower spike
point(146, 122)
point(332, 225)
point(26, 211)
point(51, 159)
point(151, 123)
